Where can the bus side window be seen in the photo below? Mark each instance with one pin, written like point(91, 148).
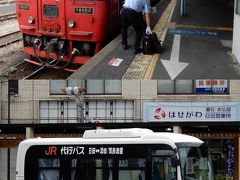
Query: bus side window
point(132, 169)
point(85, 169)
point(48, 169)
point(162, 168)
point(92, 169)
point(65, 168)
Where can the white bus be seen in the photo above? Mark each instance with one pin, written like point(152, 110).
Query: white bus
point(116, 154)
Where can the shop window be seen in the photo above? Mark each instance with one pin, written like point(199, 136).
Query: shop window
point(165, 86)
point(175, 86)
point(58, 112)
point(222, 154)
point(113, 86)
point(75, 82)
point(184, 86)
point(104, 86)
point(56, 86)
point(95, 86)
point(109, 111)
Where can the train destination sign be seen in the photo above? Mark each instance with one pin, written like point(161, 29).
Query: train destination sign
point(84, 10)
point(23, 7)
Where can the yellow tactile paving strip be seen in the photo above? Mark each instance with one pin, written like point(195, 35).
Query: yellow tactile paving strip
point(161, 30)
point(143, 65)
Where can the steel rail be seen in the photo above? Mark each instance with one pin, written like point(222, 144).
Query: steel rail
point(36, 71)
point(8, 34)
point(8, 17)
point(9, 41)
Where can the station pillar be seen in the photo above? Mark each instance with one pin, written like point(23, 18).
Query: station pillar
point(29, 132)
point(182, 7)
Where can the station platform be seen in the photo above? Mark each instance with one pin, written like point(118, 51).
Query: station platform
point(196, 46)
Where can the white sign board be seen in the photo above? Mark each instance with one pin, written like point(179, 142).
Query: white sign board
point(158, 112)
point(115, 61)
point(211, 86)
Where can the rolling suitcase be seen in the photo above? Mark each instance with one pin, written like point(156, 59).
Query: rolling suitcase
point(151, 44)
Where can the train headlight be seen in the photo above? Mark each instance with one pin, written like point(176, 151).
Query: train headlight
point(71, 23)
point(30, 20)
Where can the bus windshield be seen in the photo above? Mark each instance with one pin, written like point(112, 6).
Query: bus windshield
point(195, 163)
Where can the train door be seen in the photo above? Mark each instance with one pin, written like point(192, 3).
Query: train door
point(51, 17)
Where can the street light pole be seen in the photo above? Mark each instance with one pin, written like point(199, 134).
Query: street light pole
point(80, 105)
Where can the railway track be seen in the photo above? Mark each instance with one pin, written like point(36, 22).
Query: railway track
point(37, 72)
point(24, 71)
point(4, 73)
point(47, 73)
point(15, 71)
point(10, 38)
point(8, 16)
point(34, 73)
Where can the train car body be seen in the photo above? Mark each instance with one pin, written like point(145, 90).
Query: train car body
point(66, 30)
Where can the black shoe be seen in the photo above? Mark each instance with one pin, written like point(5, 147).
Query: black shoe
point(139, 50)
point(125, 46)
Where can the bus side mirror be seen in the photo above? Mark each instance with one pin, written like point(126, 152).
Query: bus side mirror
point(175, 161)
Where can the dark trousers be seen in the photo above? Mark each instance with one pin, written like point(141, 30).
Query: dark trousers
point(134, 18)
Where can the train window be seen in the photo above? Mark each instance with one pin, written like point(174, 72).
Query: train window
point(50, 11)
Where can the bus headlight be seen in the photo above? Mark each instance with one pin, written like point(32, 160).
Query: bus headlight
point(71, 23)
point(30, 20)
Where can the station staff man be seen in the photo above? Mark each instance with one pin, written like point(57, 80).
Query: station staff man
point(132, 14)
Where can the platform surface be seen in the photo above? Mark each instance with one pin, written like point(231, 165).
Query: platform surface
point(196, 46)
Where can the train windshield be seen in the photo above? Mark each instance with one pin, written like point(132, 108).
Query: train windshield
point(195, 163)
